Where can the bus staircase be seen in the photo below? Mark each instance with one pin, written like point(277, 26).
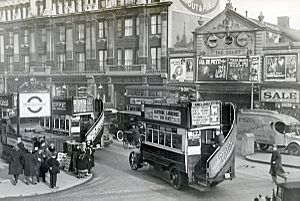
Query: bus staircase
point(94, 133)
point(217, 163)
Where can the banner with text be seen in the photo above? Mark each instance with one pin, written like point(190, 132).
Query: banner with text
point(280, 68)
point(228, 68)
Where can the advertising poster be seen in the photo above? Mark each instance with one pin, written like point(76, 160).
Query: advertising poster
point(82, 105)
point(254, 68)
point(61, 106)
point(181, 69)
point(210, 69)
point(183, 19)
point(205, 113)
point(6, 101)
point(280, 67)
point(34, 105)
point(238, 69)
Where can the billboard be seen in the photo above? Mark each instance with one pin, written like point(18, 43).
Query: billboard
point(182, 69)
point(62, 106)
point(280, 68)
point(83, 105)
point(184, 16)
point(34, 105)
point(228, 69)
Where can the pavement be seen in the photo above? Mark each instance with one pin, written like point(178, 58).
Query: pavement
point(65, 180)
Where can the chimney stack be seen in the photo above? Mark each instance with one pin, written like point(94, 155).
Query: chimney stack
point(283, 21)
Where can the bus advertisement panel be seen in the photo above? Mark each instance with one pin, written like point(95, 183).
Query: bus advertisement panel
point(205, 113)
point(83, 105)
point(34, 105)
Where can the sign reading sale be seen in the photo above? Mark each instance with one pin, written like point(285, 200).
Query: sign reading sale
point(34, 105)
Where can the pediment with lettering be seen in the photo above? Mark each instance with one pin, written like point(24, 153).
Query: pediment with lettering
point(228, 21)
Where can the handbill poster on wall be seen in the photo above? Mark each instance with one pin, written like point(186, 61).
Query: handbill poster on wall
point(182, 69)
point(205, 113)
point(280, 68)
point(228, 68)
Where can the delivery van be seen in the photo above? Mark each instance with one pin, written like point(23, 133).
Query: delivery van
point(270, 127)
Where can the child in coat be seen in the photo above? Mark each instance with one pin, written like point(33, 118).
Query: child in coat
point(53, 170)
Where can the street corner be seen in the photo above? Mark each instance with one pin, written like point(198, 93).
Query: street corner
point(65, 180)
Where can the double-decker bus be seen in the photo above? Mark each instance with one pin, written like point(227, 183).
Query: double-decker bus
point(193, 142)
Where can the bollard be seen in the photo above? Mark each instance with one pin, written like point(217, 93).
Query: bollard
point(247, 144)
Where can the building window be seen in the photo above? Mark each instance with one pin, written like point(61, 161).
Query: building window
point(44, 35)
point(156, 58)
point(128, 27)
point(119, 27)
point(155, 24)
point(62, 34)
point(16, 47)
point(137, 26)
point(69, 44)
point(26, 36)
point(102, 29)
point(80, 32)
point(1, 48)
point(11, 64)
point(120, 54)
point(81, 62)
point(26, 63)
point(128, 57)
point(137, 56)
point(61, 62)
point(102, 59)
point(43, 59)
point(10, 38)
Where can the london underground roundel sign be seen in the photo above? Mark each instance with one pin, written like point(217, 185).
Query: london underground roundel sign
point(200, 7)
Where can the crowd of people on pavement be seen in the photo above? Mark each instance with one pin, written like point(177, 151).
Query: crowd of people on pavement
point(84, 156)
point(34, 163)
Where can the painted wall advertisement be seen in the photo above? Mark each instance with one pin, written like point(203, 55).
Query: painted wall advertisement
point(280, 68)
point(228, 68)
point(184, 16)
point(182, 69)
point(205, 113)
point(34, 105)
point(280, 95)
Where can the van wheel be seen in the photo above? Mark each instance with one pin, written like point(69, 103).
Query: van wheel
point(120, 135)
point(176, 178)
point(263, 147)
point(294, 149)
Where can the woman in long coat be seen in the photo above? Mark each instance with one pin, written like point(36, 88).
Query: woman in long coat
point(15, 166)
point(276, 165)
point(30, 163)
point(82, 161)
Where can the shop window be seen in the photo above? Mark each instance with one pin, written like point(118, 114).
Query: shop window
point(47, 123)
point(56, 123)
point(149, 135)
point(67, 124)
point(62, 124)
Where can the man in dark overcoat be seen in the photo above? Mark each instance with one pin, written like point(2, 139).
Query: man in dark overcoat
point(53, 169)
point(15, 164)
point(276, 165)
point(30, 163)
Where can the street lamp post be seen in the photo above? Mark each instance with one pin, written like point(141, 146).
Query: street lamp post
point(251, 79)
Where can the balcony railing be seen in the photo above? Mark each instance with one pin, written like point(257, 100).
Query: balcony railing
point(91, 72)
point(126, 70)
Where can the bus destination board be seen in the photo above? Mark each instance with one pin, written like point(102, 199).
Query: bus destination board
point(165, 115)
point(205, 113)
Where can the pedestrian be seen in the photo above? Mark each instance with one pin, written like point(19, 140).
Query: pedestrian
point(21, 145)
point(39, 156)
point(50, 150)
point(44, 167)
point(136, 134)
point(53, 169)
point(220, 137)
point(15, 165)
point(90, 153)
point(82, 161)
point(30, 163)
point(276, 165)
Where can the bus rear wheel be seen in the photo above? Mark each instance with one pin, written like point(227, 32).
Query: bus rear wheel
point(133, 161)
point(120, 135)
point(176, 178)
point(294, 149)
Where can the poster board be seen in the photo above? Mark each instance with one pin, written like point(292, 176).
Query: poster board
point(67, 162)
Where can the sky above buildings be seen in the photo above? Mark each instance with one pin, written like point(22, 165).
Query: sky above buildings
point(271, 9)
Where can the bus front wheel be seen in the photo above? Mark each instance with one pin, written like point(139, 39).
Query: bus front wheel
point(120, 135)
point(294, 149)
point(176, 178)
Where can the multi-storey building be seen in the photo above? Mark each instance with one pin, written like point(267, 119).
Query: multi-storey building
point(101, 45)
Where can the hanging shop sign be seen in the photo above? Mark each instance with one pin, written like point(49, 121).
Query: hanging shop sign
point(34, 105)
point(280, 68)
point(280, 95)
point(228, 68)
point(182, 69)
